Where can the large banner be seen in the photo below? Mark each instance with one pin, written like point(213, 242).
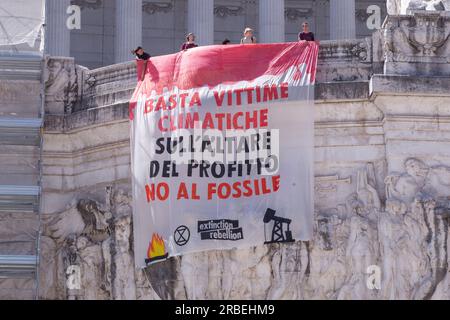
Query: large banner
point(222, 148)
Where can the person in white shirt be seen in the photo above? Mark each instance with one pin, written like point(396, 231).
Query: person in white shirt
point(248, 36)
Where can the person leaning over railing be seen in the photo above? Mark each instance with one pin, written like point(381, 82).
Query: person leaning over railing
point(140, 54)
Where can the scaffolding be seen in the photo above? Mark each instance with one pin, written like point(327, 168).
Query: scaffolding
point(17, 199)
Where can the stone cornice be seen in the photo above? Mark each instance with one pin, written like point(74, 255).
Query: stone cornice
point(359, 50)
point(152, 7)
point(86, 118)
point(295, 14)
point(409, 85)
point(222, 11)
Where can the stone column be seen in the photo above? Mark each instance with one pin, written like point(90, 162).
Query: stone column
point(200, 20)
point(342, 19)
point(128, 29)
point(271, 21)
point(57, 35)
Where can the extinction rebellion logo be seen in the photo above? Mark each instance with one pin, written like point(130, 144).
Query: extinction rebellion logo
point(220, 230)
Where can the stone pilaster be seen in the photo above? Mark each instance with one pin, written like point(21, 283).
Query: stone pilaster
point(342, 19)
point(271, 21)
point(57, 35)
point(128, 28)
point(200, 20)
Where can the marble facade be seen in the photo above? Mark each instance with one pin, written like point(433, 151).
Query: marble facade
point(382, 190)
point(165, 23)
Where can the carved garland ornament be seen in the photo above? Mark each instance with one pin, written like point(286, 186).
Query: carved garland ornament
point(224, 11)
point(294, 14)
point(156, 7)
point(417, 38)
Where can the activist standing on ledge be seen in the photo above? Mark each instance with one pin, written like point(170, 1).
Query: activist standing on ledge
point(190, 42)
point(140, 54)
point(306, 34)
point(248, 36)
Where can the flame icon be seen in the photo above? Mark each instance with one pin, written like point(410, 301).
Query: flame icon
point(156, 249)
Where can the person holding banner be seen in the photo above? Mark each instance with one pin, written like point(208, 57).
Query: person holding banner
point(141, 54)
point(306, 35)
point(190, 42)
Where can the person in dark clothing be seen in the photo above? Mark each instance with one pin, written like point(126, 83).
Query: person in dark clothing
point(141, 54)
point(226, 41)
point(306, 35)
point(190, 42)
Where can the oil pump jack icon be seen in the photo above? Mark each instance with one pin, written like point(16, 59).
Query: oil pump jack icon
point(278, 234)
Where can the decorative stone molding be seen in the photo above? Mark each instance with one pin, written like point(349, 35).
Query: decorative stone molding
point(295, 14)
point(108, 85)
point(151, 7)
point(225, 11)
point(419, 38)
point(345, 60)
point(329, 184)
point(88, 4)
point(360, 50)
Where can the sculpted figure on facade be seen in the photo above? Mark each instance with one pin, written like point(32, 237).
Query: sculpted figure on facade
point(96, 225)
point(89, 251)
point(61, 84)
point(419, 235)
point(346, 243)
point(407, 186)
point(395, 247)
point(361, 247)
point(124, 286)
point(94, 237)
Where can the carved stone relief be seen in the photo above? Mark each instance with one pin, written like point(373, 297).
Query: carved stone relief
point(95, 238)
point(151, 7)
point(61, 84)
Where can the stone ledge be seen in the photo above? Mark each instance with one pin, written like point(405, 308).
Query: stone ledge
point(85, 118)
point(345, 90)
point(409, 85)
